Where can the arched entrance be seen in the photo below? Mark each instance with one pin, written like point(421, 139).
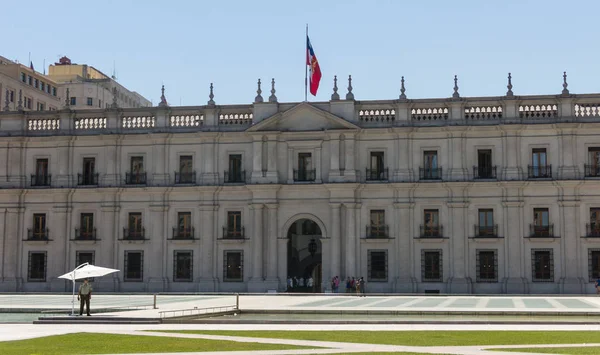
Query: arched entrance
point(304, 256)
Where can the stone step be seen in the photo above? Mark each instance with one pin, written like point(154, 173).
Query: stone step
point(96, 320)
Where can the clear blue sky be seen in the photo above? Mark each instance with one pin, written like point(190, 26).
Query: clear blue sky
point(188, 44)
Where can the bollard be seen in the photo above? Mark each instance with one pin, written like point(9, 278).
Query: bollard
point(155, 302)
point(237, 301)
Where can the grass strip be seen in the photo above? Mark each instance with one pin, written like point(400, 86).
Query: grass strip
point(100, 343)
point(583, 350)
point(420, 338)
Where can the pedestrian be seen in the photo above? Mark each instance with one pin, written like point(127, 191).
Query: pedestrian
point(597, 284)
point(84, 296)
point(348, 285)
point(362, 286)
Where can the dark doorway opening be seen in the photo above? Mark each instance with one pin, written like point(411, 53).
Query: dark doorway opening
point(304, 256)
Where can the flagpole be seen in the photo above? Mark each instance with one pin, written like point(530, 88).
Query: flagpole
point(306, 66)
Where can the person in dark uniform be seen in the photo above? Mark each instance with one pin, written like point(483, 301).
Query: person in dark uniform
point(84, 296)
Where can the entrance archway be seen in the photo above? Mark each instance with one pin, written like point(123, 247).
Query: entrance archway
point(304, 257)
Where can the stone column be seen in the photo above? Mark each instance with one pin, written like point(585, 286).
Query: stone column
point(272, 176)
point(570, 245)
point(106, 256)
point(511, 148)
point(351, 257)
point(335, 245)
point(290, 167)
point(567, 168)
point(206, 281)
point(272, 281)
point(515, 281)
point(257, 160)
point(256, 282)
point(350, 172)
point(405, 281)
point(334, 159)
point(156, 249)
point(59, 261)
point(10, 243)
point(210, 176)
point(318, 170)
point(459, 282)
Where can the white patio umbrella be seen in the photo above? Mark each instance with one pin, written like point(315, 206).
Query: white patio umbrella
point(84, 271)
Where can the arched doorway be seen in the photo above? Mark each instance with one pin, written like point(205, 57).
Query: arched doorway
point(304, 256)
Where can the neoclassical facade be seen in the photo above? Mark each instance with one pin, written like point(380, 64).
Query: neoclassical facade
point(454, 195)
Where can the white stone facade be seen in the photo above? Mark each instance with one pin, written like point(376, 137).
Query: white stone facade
point(464, 195)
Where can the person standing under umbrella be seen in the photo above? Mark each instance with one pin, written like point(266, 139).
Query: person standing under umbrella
point(84, 296)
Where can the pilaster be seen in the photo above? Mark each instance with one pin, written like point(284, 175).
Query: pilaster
point(257, 160)
point(567, 169)
point(350, 255)
point(511, 143)
point(58, 263)
point(335, 243)
point(210, 175)
point(350, 170)
point(256, 282)
point(334, 158)
point(272, 175)
point(10, 280)
point(515, 281)
point(272, 280)
point(108, 212)
point(570, 247)
point(207, 282)
point(405, 281)
point(458, 281)
point(157, 249)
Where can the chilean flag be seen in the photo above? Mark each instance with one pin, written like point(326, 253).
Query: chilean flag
point(315, 70)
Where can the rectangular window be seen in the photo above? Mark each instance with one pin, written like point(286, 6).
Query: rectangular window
point(486, 223)
point(542, 265)
point(376, 169)
point(487, 266)
point(185, 174)
point(184, 225)
point(83, 257)
point(593, 168)
point(73, 101)
point(431, 225)
point(35, 83)
point(233, 265)
point(135, 223)
point(234, 224)
point(36, 270)
point(182, 266)
point(29, 80)
point(134, 265)
point(539, 163)
point(39, 226)
point(541, 222)
point(42, 86)
point(377, 228)
point(137, 174)
point(593, 264)
point(53, 91)
point(304, 161)
point(90, 101)
point(89, 171)
point(235, 168)
point(594, 222)
point(24, 77)
point(377, 265)
point(430, 160)
point(431, 266)
point(86, 226)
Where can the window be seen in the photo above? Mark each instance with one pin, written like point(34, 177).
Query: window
point(235, 168)
point(83, 257)
point(594, 227)
point(541, 223)
point(593, 264)
point(377, 265)
point(90, 101)
point(377, 228)
point(41, 177)
point(593, 167)
point(431, 265)
point(42, 86)
point(185, 174)
point(542, 261)
point(486, 226)
point(73, 101)
point(184, 225)
point(305, 171)
point(234, 224)
point(86, 226)
point(431, 225)
point(233, 265)
point(89, 172)
point(135, 229)
point(134, 265)
point(484, 164)
point(36, 268)
point(39, 226)
point(182, 266)
point(28, 103)
point(430, 169)
point(24, 77)
point(41, 106)
point(539, 166)
point(137, 174)
point(376, 169)
point(35, 83)
point(487, 266)
point(53, 91)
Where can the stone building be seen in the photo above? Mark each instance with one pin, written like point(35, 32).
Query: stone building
point(452, 195)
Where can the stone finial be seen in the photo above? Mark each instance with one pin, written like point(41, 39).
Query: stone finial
point(455, 95)
point(273, 98)
point(163, 99)
point(115, 94)
point(211, 96)
point(402, 90)
point(258, 97)
point(565, 91)
point(20, 102)
point(335, 96)
point(6, 101)
point(509, 93)
point(349, 95)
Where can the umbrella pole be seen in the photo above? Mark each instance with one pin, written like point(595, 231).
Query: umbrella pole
point(73, 297)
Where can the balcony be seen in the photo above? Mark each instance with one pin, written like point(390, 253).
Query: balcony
point(377, 231)
point(135, 178)
point(592, 170)
point(85, 234)
point(536, 231)
point(432, 231)
point(41, 179)
point(87, 179)
point(539, 172)
point(132, 234)
point(236, 177)
point(592, 230)
point(377, 174)
point(183, 233)
point(305, 175)
point(185, 178)
point(234, 234)
point(430, 173)
point(38, 234)
point(484, 231)
point(484, 172)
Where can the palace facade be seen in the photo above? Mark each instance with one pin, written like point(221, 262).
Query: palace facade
point(454, 195)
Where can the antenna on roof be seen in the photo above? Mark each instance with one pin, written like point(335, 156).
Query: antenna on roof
point(114, 74)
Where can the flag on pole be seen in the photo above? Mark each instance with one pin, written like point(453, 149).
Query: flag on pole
point(315, 70)
point(31, 65)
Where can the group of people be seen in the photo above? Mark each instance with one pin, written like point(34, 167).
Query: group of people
point(300, 284)
point(353, 285)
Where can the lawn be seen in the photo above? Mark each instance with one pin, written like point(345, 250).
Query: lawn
point(99, 343)
point(584, 350)
point(422, 338)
